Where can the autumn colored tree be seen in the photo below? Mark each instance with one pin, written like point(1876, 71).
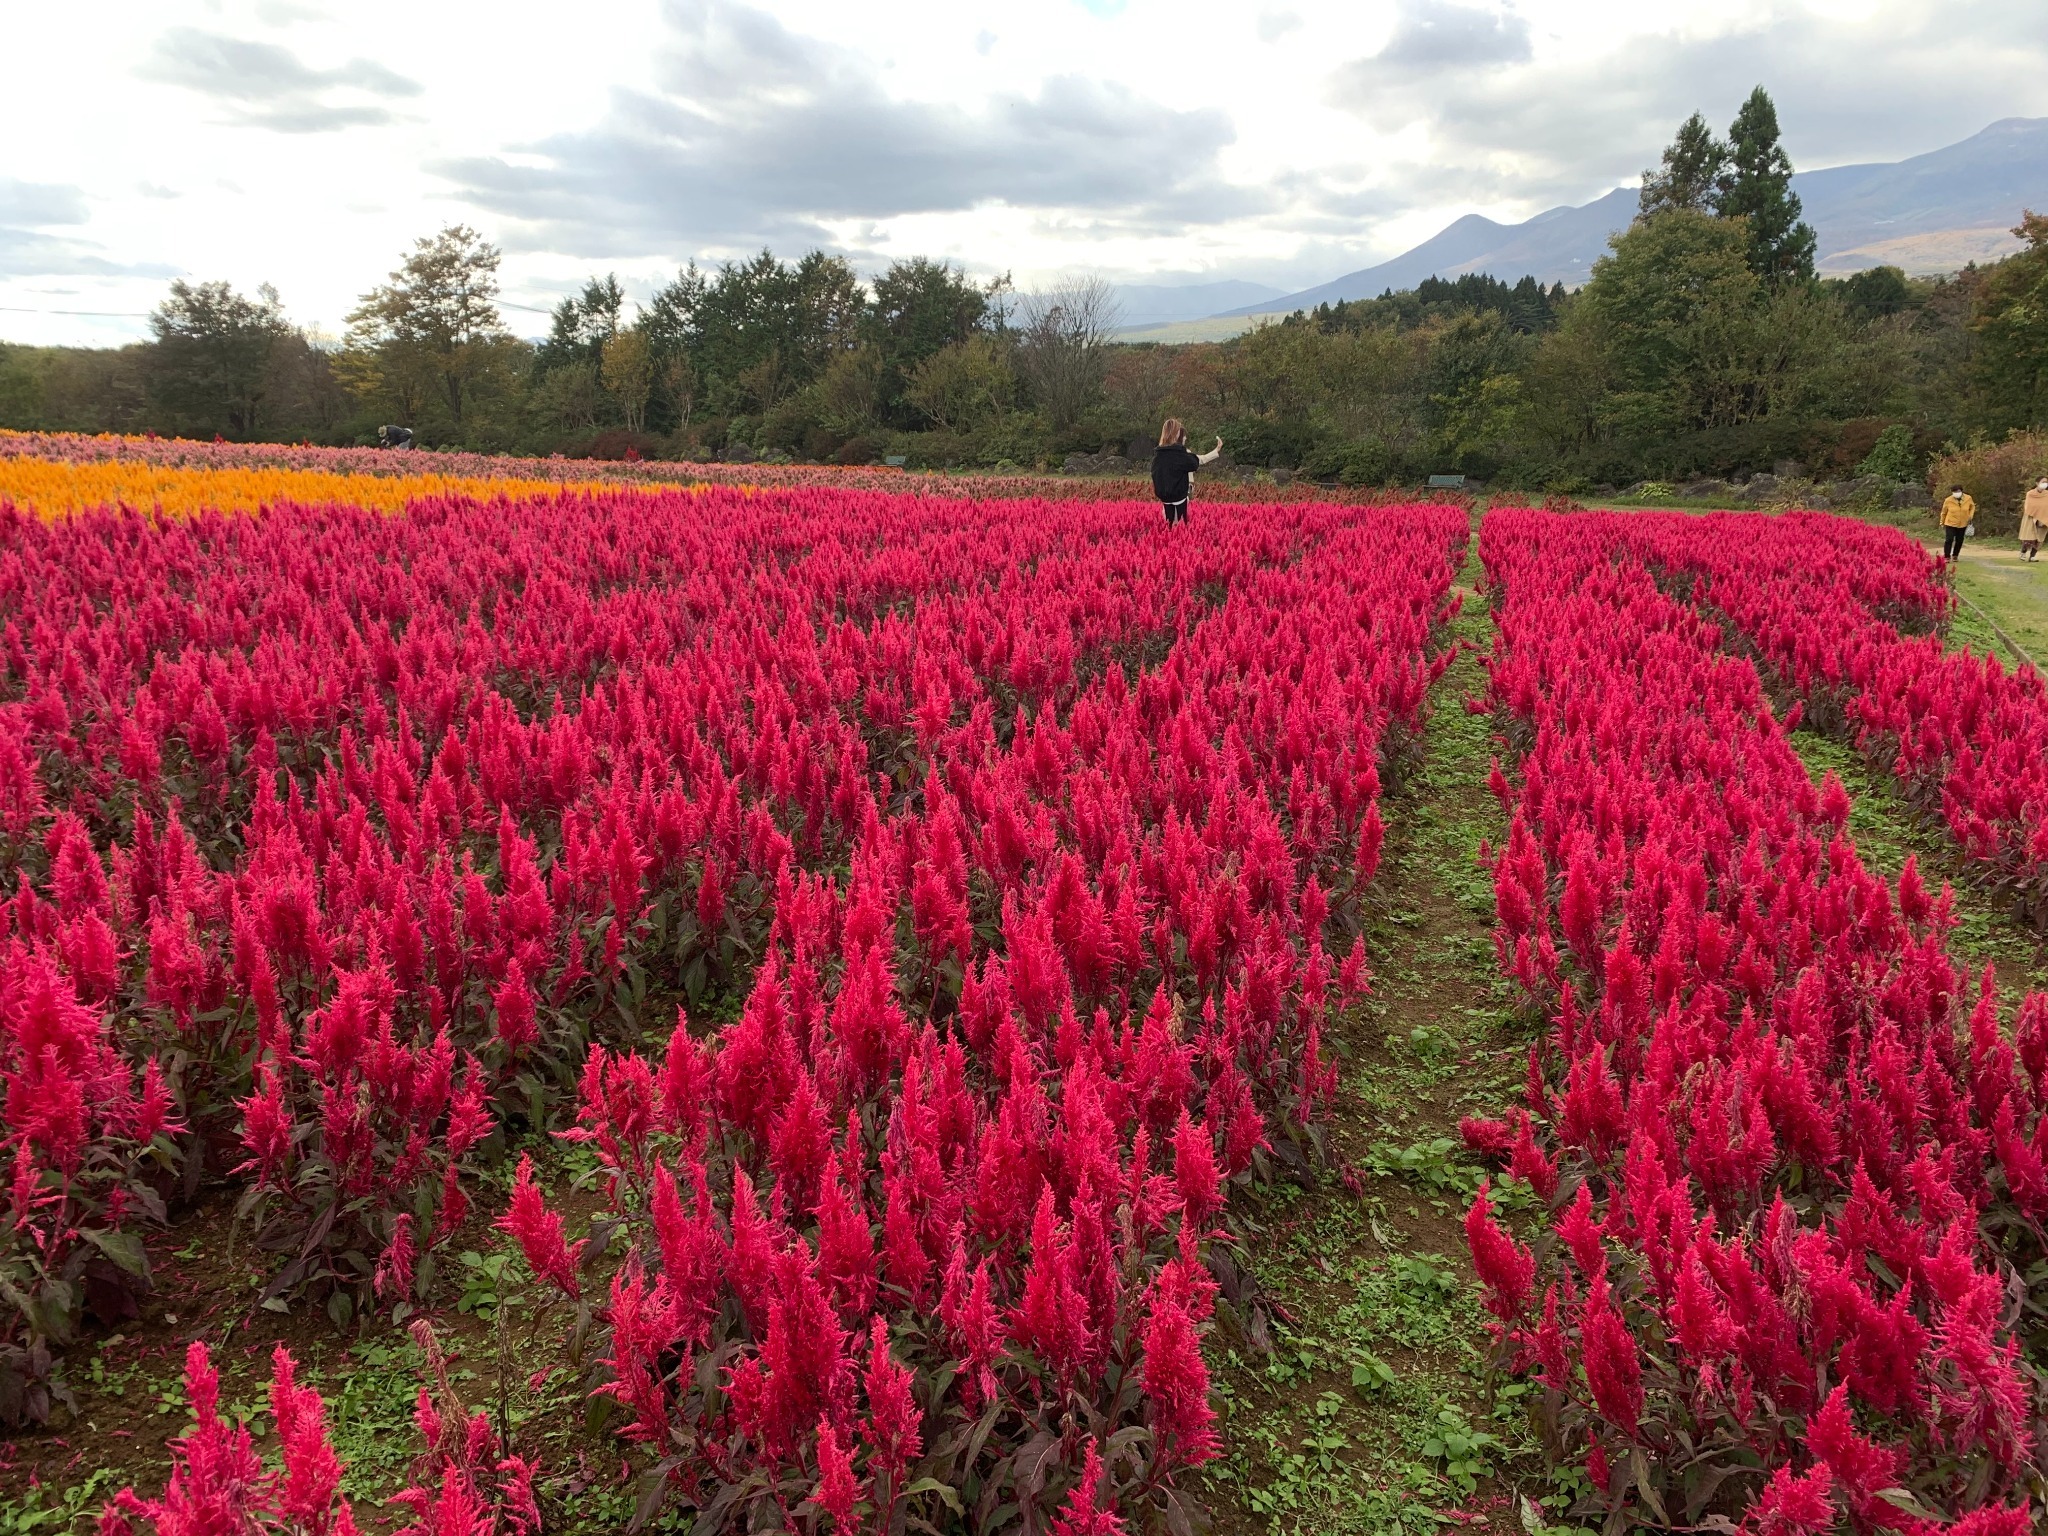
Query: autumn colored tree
point(435, 322)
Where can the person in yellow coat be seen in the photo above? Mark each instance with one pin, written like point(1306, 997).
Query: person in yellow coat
point(2034, 520)
point(1957, 513)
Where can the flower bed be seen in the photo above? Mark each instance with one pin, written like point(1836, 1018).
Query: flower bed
point(1792, 1158)
point(926, 917)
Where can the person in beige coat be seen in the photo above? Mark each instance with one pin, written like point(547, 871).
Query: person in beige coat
point(2034, 520)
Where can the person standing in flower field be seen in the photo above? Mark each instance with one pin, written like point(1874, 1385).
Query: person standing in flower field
point(1957, 513)
point(1173, 467)
point(2034, 519)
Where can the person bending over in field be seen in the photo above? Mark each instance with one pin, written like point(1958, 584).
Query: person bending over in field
point(2034, 520)
point(1957, 513)
point(1173, 466)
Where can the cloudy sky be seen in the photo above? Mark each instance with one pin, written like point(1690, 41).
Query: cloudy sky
point(307, 142)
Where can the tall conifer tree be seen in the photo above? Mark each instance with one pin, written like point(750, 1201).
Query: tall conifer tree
point(1760, 190)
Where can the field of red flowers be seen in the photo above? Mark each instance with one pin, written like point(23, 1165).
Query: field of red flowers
point(924, 922)
point(926, 911)
point(1794, 1154)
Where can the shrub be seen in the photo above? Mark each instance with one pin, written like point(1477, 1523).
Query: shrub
point(1265, 442)
point(1996, 474)
point(1351, 463)
point(1891, 457)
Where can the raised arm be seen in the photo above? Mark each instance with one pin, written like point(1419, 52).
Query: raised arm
point(1211, 456)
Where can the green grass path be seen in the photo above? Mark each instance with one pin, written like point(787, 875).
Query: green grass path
point(1374, 1413)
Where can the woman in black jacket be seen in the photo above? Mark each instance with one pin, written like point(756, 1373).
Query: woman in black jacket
point(1173, 464)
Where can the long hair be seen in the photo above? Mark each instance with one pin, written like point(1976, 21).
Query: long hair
point(1172, 433)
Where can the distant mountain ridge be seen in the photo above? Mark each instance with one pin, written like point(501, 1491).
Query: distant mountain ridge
point(1930, 213)
point(1149, 304)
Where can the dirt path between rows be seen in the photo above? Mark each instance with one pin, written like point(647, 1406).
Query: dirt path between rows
point(1374, 1413)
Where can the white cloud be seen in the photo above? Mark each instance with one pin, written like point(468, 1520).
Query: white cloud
point(1274, 25)
point(265, 85)
point(758, 134)
point(30, 212)
point(1288, 142)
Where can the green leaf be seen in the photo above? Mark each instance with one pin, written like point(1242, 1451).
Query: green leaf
point(945, 1491)
point(124, 1248)
point(1904, 1498)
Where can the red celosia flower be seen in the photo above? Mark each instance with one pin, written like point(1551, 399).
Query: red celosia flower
point(395, 1266)
point(1794, 1506)
point(1085, 1513)
point(893, 1419)
point(1505, 1268)
point(1194, 1170)
point(1176, 1383)
point(312, 1475)
point(1613, 1369)
point(538, 1231)
point(838, 1491)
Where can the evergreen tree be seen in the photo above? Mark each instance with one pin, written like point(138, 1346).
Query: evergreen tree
point(1760, 190)
point(1695, 173)
point(582, 326)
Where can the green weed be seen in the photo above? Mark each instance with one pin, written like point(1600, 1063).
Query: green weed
point(44, 1512)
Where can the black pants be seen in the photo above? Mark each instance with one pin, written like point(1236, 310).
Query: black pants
point(1951, 543)
point(1176, 511)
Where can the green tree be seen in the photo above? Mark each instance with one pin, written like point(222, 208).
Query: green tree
point(757, 331)
point(626, 364)
point(963, 385)
point(1569, 386)
point(434, 326)
point(211, 364)
point(21, 389)
point(2010, 321)
point(1694, 175)
point(1808, 360)
point(302, 395)
point(583, 323)
point(1472, 392)
point(677, 387)
point(568, 398)
point(1891, 457)
point(849, 392)
point(922, 306)
point(1875, 293)
point(1669, 307)
point(1759, 191)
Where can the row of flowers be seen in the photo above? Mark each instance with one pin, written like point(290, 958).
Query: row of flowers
point(1796, 1163)
point(140, 457)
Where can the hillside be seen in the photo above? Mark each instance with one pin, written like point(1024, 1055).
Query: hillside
point(1931, 213)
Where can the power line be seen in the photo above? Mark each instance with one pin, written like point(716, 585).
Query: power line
point(143, 314)
point(98, 314)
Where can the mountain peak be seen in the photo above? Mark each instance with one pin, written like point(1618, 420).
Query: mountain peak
point(1933, 212)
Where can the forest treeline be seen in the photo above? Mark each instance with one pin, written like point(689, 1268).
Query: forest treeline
point(1703, 345)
